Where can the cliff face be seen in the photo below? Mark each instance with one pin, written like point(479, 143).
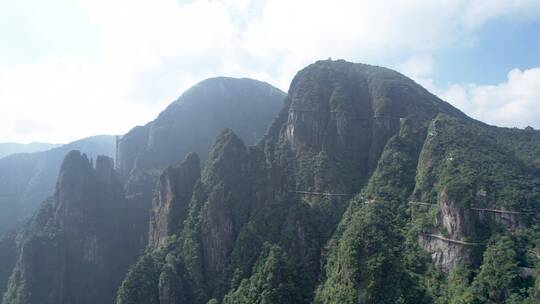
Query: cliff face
point(478, 186)
point(28, 179)
point(190, 124)
point(346, 113)
point(172, 198)
point(73, 250)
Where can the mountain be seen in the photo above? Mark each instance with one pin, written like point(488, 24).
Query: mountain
point(76, 240)
point(97, 222)
point(28, 179)
point(191, 123)
point(366, 188)
point(15, 148)
point(187, 125)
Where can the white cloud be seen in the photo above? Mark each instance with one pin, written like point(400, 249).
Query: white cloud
point(513, 103)
point(151, 50)
point(418, 66)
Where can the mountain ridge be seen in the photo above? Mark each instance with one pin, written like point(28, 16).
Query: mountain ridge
point(7, 149)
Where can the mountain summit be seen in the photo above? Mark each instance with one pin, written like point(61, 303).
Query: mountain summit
point(191, 123)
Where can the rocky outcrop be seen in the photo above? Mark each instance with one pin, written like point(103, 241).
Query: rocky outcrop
point(344, 114)
point(227, 199)
point(26, 180)
point(190, 124)
point(472, 198)
point(74, 249)
point(171, 202)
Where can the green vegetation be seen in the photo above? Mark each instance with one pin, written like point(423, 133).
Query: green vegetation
point(498, 278)
point(142, 282)
point(465, 160)
point(273, 281)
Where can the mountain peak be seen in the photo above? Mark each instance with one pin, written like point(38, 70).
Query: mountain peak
point(390, 92)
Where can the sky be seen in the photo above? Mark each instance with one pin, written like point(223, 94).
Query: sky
point(75, 68)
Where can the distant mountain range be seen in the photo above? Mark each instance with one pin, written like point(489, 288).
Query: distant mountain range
point(13, 148)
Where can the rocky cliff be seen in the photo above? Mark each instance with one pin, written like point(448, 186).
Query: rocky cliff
point(171, 202)
point(28, 179)
point(73, 250)
point(190, 124)
point(478, 187)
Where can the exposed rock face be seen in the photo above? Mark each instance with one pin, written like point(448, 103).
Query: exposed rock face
point(343, 114)
point(455, 224)
point(171, 202)
point(190, 124)
point(472, 200)
point(74, 250)
point(26, 180)
point(228, 199)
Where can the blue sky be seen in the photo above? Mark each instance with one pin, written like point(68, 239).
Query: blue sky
point(75, 68)
point(500, 46)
